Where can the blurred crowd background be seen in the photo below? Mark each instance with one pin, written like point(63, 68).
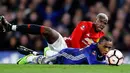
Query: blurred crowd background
point(63, 15)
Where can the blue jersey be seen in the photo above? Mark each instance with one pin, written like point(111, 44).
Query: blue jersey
point(88, 55)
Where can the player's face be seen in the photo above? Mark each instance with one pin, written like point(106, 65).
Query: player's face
point(100, 24)
point(105, 46)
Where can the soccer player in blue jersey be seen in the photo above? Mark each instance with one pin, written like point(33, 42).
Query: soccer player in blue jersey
point(92, 54)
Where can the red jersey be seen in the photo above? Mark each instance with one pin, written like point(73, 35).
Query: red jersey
point(83, 35)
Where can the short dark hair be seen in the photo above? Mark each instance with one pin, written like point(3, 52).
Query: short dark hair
point(105, 38)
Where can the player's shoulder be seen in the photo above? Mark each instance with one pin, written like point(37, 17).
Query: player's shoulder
point(93, 45)
point(86, 24)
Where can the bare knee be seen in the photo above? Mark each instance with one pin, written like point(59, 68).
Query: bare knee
point(50, 34)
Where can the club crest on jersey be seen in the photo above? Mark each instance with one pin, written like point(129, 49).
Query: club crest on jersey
point(94, 52)
point(82, 27)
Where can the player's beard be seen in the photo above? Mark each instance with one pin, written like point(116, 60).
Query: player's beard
point(95, 28)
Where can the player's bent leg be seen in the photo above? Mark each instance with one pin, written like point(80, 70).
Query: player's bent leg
point(55, 40)
point(57, 46)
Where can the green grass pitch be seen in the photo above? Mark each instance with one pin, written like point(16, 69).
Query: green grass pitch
point(13, 68)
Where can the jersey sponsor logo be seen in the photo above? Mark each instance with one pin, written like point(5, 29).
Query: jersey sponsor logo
point(71, 57)
point(87, 41)
point(94, 52)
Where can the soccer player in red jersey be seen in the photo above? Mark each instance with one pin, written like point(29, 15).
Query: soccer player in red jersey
point(87, 32)
point(83, 35)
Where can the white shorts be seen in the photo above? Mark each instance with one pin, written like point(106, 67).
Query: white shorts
point(57, 46)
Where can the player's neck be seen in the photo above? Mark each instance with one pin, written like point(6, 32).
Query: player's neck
point(95, 27)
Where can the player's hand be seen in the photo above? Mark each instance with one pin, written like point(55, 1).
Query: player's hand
point(5, 26)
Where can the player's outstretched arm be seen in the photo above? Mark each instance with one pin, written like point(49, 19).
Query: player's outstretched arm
point(50, 34)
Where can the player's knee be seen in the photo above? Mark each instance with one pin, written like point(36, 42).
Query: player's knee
point(50, 34)
point(48, 30)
